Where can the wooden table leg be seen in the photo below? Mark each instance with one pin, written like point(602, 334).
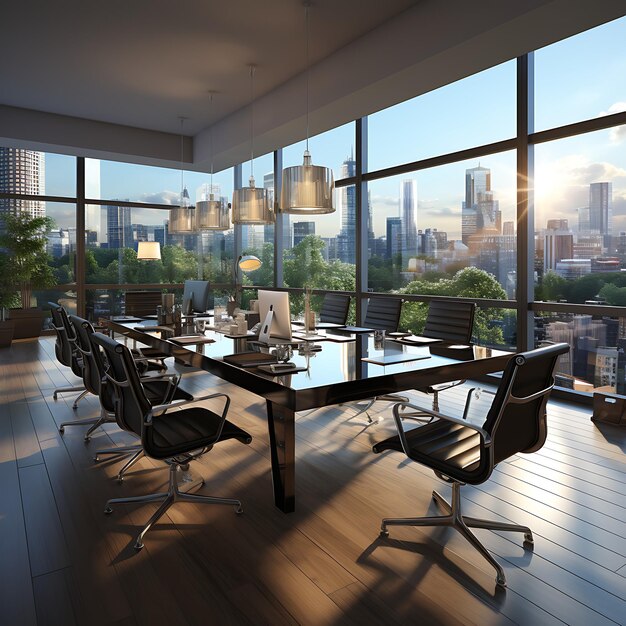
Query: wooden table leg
point(281, 423)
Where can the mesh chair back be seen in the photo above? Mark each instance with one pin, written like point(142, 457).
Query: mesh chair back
point(335, 308)
point(131, 404)
point(141, 302)
point(198, 294)
point(65, 347)
point(450, 320)
point(516, 427)
point(383, 314)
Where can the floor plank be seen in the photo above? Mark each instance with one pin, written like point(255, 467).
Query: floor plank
point(64, 562)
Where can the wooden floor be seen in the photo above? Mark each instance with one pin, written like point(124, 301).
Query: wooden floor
point(63, 562)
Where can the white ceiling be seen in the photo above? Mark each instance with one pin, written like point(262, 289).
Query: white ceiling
point(144, 63)
point(110, 79)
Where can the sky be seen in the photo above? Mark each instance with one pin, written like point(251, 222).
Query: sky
point(579, 78)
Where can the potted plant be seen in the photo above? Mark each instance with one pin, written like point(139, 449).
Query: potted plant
point(24, 266)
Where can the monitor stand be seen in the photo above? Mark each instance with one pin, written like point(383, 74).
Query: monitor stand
point(266, 326)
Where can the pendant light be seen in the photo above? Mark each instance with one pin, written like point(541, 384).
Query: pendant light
point(251, 204)
point(212, 214)
point(307, 189)
point(182, 218)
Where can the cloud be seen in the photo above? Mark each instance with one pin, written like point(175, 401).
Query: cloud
point(443, 211)
point(161, 197)
point(596, 172)
point(617, 134)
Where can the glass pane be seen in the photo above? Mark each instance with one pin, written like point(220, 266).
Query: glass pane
point(38, 173)
point(112, 235)
point(446, 231)
point(584, 74)
point(60, 245)
point(477, 110)
point(130, 182)
point(597, 360)
point(580, 218)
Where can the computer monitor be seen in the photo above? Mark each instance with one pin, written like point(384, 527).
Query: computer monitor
point(278, 301)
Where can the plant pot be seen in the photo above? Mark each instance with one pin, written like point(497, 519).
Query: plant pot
point(27, 322)
point(6, 333)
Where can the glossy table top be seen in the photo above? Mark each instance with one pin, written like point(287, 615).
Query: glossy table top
point(337, 372)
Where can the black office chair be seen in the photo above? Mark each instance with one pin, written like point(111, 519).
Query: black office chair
point(177, 437)
point(459, 452)
point(66, 351)
point(196, 296)
point(159, 389)
point(452, 322)
point(335, 308)
point(381, 314)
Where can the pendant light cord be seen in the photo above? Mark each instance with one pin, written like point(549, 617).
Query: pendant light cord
point(307, 4)
point(182, 173)
point(211, 143)
point(252, 68)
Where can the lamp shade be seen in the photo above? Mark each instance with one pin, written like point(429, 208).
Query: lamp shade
point(307, 189)
point(149, 251)
point(249, 263)
point(251, 205)
point(212, 215)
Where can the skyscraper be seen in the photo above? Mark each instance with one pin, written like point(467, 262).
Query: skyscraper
point(119, 228)
point(601, 209)
point(93, 213)
point(22, 171)
point(394, 237)
point(302, 230)
point(408, 213)
point(346, 239)
point(477, 184)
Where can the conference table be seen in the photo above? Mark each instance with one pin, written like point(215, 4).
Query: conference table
point(340, 368)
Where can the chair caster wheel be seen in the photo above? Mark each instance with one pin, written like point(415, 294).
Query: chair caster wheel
point(61, 429)
point(120, 480)
point(87, 439)
point(75, 407)
point(96, 459)
point(500, 580)
point(108, 511)
point(384, 532)
point(138, 546)
point(529, 540)
point(239, 510)
point(54, 396)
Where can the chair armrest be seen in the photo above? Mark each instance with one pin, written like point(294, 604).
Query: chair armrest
point(163, 408)
point(485, 436)
point(474, 392)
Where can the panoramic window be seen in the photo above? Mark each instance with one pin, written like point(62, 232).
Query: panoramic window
point(471, 112)
point(580, 218)
point(581, 77)
point(446, 231)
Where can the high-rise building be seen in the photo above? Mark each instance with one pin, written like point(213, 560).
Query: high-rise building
point(479, 210)
point(302, 230)
point(346, 201)
point(394, 237)
point(601, 210)
point(23, 171)
point(408, 213)
point(584, 224)
point(558, 244)
point(119, 227)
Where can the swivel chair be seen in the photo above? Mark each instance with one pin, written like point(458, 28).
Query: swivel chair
point(66, 351)
point(381, 314)
point(177, 437)
point(335, 308)
point(459, 452)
